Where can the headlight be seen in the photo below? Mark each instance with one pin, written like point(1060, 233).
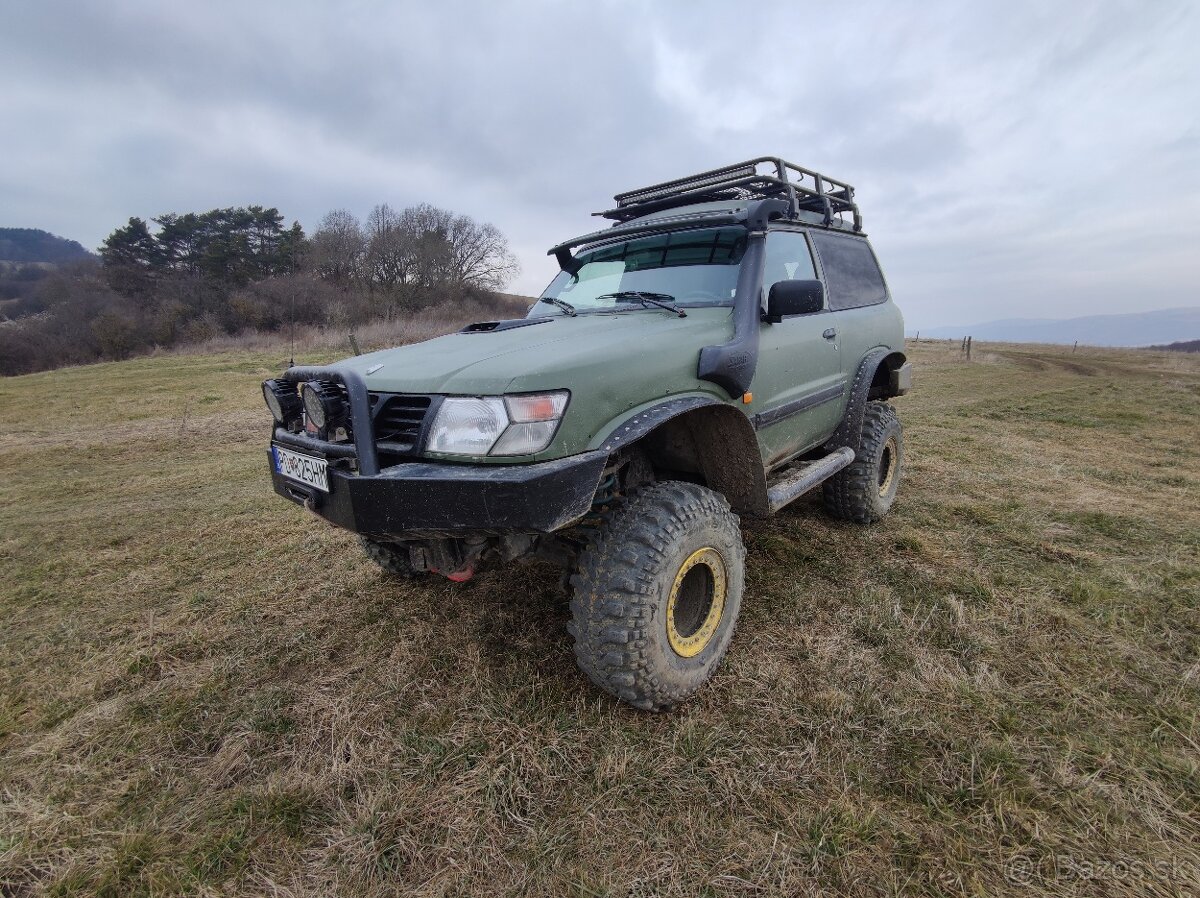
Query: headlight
point(281, 400)
point(491, 425)
point(468, 426)
point(323, 403)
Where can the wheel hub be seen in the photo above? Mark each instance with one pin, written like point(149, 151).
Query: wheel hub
point(887, 466)
point(696, 602)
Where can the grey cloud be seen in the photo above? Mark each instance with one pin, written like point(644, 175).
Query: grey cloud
point(994, 146)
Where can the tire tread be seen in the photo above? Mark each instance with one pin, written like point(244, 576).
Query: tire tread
point(852, 493)
point(614, 594)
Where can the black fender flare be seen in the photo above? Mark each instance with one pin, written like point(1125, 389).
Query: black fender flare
point(725, 443)
point(849, 431)
point(638, 425)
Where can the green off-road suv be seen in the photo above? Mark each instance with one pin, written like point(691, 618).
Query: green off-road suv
point(725, 346)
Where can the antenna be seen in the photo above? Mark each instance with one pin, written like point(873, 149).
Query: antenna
point(292, 352)
point(292, 341)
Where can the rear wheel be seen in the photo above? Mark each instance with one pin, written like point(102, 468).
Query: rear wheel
point(394, 559)
point(657, 593)
point(864, 491)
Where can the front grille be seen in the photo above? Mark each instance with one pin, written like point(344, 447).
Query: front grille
point(398, 419)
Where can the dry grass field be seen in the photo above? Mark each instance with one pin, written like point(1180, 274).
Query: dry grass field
point(204, 691)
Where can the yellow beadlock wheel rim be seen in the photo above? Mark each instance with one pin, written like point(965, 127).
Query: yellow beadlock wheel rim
point(887, 466)
point(696, 602)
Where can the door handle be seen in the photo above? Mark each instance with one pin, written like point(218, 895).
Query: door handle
point(829, 333)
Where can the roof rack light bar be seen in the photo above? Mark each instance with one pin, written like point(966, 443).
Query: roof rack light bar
point(803, 188)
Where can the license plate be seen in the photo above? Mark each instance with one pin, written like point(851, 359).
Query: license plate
point(302, 468)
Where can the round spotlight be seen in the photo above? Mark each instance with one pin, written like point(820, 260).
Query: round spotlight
point(323, 403)
point(282, 400)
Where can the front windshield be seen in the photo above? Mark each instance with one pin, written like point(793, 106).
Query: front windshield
point(693, 268)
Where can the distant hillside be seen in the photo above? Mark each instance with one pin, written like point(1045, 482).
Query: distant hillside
point(33, 245)
point(1136, 329)
point(1180, 346)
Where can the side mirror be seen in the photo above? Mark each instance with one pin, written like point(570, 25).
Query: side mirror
point(794, 298)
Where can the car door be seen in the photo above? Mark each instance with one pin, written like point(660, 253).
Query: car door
point(799, 383)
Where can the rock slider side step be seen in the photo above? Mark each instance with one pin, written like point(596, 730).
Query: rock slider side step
point(810, 475)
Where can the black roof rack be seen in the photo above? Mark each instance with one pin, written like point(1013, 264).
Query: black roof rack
point(803, 188)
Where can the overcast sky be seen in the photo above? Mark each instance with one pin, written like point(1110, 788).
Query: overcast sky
point(1011, 158)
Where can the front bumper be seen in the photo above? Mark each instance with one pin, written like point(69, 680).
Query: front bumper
point(454, 498)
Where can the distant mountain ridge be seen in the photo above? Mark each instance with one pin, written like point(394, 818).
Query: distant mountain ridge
point(1134, 329)
point(1180, 346)
point(35, 245)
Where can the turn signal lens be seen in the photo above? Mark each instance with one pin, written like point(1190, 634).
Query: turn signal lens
point(530, 409)
point(525, 439)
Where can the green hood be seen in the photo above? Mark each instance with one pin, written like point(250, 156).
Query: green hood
point(560, 353)
point(611, 363)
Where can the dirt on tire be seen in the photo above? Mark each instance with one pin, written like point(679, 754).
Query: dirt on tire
point(864, 491)
point(629, 573)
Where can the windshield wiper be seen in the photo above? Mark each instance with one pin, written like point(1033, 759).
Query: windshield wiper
point(567, 308)
point(662, 300)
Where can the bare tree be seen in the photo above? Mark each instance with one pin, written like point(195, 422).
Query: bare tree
point(339, 247)
point(415, 257)
point(456, 252)
point(480, 255)
point(391, 260)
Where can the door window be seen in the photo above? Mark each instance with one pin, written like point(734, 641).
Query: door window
point(787, 259)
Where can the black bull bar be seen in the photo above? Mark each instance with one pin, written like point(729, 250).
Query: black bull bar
point(435, 496)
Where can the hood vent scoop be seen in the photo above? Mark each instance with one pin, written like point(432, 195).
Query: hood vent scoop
point(487, 327)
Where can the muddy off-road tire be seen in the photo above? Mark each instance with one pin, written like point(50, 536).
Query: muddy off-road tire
point(393, 559)
point(656, 594)
point(864, 491)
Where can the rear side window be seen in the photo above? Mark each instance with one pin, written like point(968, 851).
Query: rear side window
point(852, 276)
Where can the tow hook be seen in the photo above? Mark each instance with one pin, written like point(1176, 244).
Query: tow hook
point(310, 504)
point(454, 559)
point(457, 576)
point(464, 575)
